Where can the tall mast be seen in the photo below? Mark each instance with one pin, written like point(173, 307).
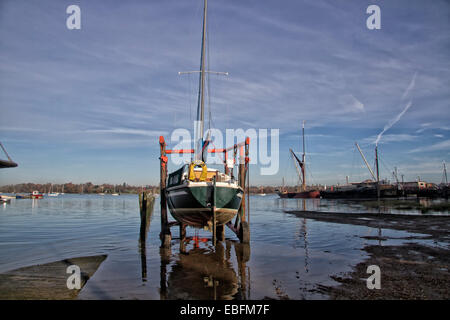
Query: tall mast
point(445, 174)
point(376, 164)
point(201, 95)
point(365, 161)
point(378, 171)
point(303, 158)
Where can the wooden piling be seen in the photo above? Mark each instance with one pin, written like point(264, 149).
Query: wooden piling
point(165, 254)
point(146, 202)
point(247, 173)
point(182, 237)
point(242, 183)
point(165, 234)
point(213, 208)
point(244, 228)
point(220, 232)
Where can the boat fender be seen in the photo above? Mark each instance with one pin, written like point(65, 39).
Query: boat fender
point(195, 164)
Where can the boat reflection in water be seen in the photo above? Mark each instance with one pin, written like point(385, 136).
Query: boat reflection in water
point(200, 271)
point(206, 273)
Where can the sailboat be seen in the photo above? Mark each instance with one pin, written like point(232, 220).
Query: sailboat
point(194, 189)
point(367, 189)
point(300, 165)
point(115, 193)
point(51, 193)
point(261, 191)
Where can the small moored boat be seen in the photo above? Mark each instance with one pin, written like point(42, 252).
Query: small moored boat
point(36, 195)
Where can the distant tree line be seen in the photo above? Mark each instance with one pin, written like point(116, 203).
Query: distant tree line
point(274, 189)
point(70, 187)
point(89, 187)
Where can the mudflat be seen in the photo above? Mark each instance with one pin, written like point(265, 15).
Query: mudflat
point(409, 271)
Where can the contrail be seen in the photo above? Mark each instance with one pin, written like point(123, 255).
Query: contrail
point(410, 87)
point(394, 121)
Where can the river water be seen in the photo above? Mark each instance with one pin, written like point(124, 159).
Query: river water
point(288, 257)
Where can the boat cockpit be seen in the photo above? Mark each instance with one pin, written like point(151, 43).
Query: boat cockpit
point(196, 173)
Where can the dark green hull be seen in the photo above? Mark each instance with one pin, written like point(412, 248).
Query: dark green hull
point(191, 204)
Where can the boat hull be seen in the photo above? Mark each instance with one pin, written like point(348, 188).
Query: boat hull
point(191, 204)
point(300, 195)
point(23, 196)
point(361, 193)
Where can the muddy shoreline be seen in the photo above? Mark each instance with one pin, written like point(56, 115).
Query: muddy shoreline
point(409, 271)
point(436, 226)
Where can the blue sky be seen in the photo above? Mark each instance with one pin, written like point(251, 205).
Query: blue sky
point(89, 105)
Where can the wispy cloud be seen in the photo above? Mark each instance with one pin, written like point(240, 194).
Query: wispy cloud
point(21, 129)
point(350, 104)
point(424, 126)
point(391, 138)
point(444, 145)
point(140, 132)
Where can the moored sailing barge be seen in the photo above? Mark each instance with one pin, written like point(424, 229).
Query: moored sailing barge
point(300, 165)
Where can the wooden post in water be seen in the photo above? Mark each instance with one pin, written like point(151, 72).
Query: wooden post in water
point(165, 234)
point(213, 208)
point(378, 173)
point(247, 173)
point(240, 226)
point(244, 230)
point(220, 232)
point(146, 202)
point(182, 237)
point(242, 182)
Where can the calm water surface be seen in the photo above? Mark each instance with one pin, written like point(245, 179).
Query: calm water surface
point(287, 257)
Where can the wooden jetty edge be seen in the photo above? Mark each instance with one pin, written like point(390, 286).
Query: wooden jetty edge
point(240, 226)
